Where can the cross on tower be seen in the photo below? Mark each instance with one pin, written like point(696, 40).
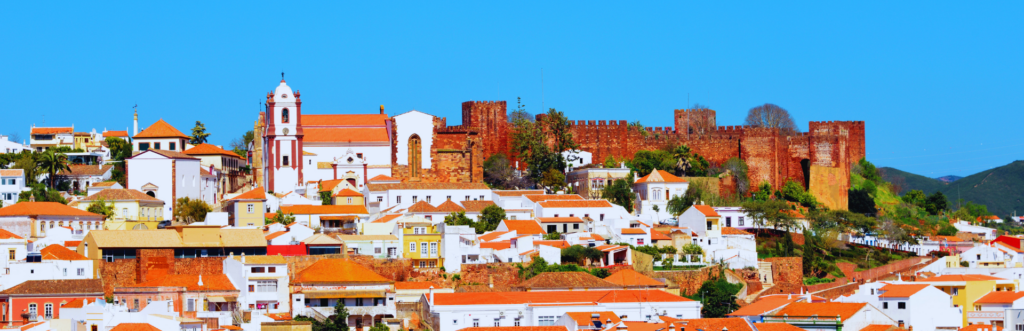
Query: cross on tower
point(282, 75)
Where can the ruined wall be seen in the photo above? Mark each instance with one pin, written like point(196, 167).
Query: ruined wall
point(689, 281)
point(490, 120)
point(456, 156)
point(787, 273)
point(153, 264)
point(831, 186)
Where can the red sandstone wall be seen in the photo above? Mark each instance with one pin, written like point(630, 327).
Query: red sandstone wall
point(456, 156)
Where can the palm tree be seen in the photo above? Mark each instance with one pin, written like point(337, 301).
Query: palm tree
point(53, 163)
point(682, 156)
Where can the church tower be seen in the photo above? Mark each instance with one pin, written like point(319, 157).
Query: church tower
point(283, 148)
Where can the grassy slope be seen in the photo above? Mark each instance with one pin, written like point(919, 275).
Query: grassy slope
point(914, 181)
point(1000, 189)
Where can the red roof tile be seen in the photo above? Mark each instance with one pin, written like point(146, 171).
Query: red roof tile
point(706, 210)
point(901, 290)
point(207, 149)
point(552, 243)
point(415, 285)
point(449, 207)
point(12, 172)
point(499, 245)
point(842, 309)
point(871, 327)
point(112, 194)
point(657, 235)
point(575, 204)
point(632, 231)
point(734, 231)
point(347, 192)
point(981, 327)
point(546, 197)
point(999, 297)
point(387, 218)
point(346, 135)
point(72, 243)
point(477, 205)
point(570, 279)
point(160, 129)
point(422, 207)
point(660, 176)
point(86, 170)
point(115, 134)
point(254, 194)
point(342, 120)
point(555, 297)
point(559, 219)
point(4, 234)
point(61, 253)
point(427, 186)
point(526, 227)
point(516, 328)
point(321, 210)
point(629, 277)
point(383, 178)
point(77, 303)
point(134, 327)
point(338, 271)
point(44, 208)
point(52, 130)
point(517, 193)
point(491, 235)
point(764, 305)
point(586, 318)
point(777, 327)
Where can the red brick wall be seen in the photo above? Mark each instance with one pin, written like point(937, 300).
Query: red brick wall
point(787, 273)
point(689, 281)
point(456, 155)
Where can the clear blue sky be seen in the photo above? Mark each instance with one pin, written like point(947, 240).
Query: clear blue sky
point(939, 84)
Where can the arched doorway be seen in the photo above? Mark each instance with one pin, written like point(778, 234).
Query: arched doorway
point(415, 158)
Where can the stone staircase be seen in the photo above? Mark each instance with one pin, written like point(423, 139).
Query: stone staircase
point(764, 272)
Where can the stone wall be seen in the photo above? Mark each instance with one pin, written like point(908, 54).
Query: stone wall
point(787, 273)
point(456, 154)
point(831, 186)
point(689, 281)
point(153, 264)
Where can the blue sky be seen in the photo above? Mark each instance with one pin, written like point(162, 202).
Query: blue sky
point(939, 85)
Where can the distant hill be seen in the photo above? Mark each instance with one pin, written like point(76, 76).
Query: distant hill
point(1000, 189)
point(948, 179)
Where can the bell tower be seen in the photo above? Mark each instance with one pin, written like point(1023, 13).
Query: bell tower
point(284, 139)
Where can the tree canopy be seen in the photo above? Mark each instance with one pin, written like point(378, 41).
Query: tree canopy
point(199, 135)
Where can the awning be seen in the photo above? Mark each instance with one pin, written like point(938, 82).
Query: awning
point(336, 294)
point(221, 299)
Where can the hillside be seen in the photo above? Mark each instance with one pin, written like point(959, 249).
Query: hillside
point(948, 179)
point(1000, 189)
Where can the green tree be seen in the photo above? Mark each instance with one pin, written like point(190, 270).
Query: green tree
point(199, 134)
point(738, 169)
point(100, 206)
point(240, 145)
point(340, 317)
point(119, 151)
point(280, 217)
point(619, 193)
point(770, 213)
point(41, 194)
point(490, 218)
point(860, 201)
point(579, 254)
point(325, 198)
point(553, 179)
point(915, 197)
point(26, 161)
point(868, 171)
point(53, 163)
point(458, 218)
point(764, 192)
point(559, 127)
point(645, 161)
point(936, 203)
point(609, 162)
point(676, 206)
point(380, 327)
point(552, 236)
point(191, 210)
point(718, 297)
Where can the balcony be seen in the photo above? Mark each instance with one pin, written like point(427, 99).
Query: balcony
point(986, 314)
point(357, 310)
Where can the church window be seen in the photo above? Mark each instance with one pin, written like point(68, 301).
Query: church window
point(284, 160)
point(284, 115)
point(414, 156)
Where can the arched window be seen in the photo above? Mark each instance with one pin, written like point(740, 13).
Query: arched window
point(284, 115)
point(150, 193)
point(415, 159)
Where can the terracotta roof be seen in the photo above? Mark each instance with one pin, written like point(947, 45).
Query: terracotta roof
point(160, 129)
point(477, 205)
point(707, 210)
point(526, 227)
point(449, 207)
point(1002, 297)
point(86, 170)
point(328, 185)
point(77, 303)
point(946, 238)
point(321, 239)
point(345, 134)
point(415, 285)
point(516, 328)
point(734, 231)
point(552, 243)
point(112, 194)
point(764, 305)
point(211, 282)
point(870, 327)
point(575, 204)
point(710, 324)
point(427, 186)
point(26, 208)
point(59, 252)
point(347, 192)
point(422, 207)
point(334, 120)
point(632, 231)
point(320, 210)
point(517, 193)
point(629, 277)
point(657, 235)
point(778, 327)
point(207, 149)
point(981, 327)
point(262, 259)
point(958, 278)
point(280, 316)
point(338, 271)
point(12, 172)
point(546, 197)
point(491, 235)
point(4, 234)
point(103, 184)
point(55, 130)
point(134, 327)
point(559, 219)
point(383, 178)
point(387, 218)
point(554, 297)
point(586, 318)
point(609, 248)
point(59, 286)
point(499, 245)
point(660, 176)
point(72, 243)
point(254, 194)
point(115, 134)
point(842, 309)
point(169, 154)
point(275, 235)
point(573, 279)
point(901, 290)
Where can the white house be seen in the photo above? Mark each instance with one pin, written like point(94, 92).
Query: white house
point(594, 209)
point(986, 256)
point(278, 234)
point(734, 217)
point(579, 159)
point(82, 176)
point(830, 316)
point(920, 306)
point(100, 186)
point(634, 236)
point(165, 175)
point(8, 146)
point(36, 219)
point(403, 195)
point(702, 219)
point(454, 311)
point(985, 232)
point(656, 189)
point(992, 308)
point(51, 263)
point(460, 244)
point(263, 280)
point(12, 183)
point(42, 138)
point(162, 136)
point(512, 199)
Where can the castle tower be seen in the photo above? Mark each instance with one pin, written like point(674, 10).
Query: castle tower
point(283, 137)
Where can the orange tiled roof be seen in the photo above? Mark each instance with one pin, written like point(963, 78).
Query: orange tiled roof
point(124, 194)
point(12, 172)
point(387, 218)
point(981, 327)
point(427, 186)
point(86, 170)
point(59, 252)
point(734, 231)
point(526, 227)
point(415, 285)
point(52, 130)
point(422, 207)
point(586, 318)
point(254, 194)
point(660, 176)
point(491, 235)
point(72, 243)
point(1000, 297)
point(552, 243)
point(346, 134)
point(280, 316)
point(778, 327)
point(901, 290)
point(44, 208)
point(707, 210)
point(211, 282)
point(516, 328)
point(516, 193)
point(477, 205)
point(275, 235)
point(546, 197)
point(629, 277)
point(171, 154)
point(134, 327)
point(115, 134)
point(335, 120)
point(575, 204)
point(76, 303)
point(632, 231)
point(764, 305)
point(103, 184)
point(499, 245)
point(711, 324)
point(57, 286)
point(842, 309)
point(328, 209)
point(160, 129)
point(946, 238)
point(383, 178)
point(207, 149)
point(338, 271)
point(347, 192)
point(328, 185)
point(657, 235)
point(559, 219)
point(555, 297)
point(870, 327)
point(4, 234)
point(449, 207)
point(959, 278)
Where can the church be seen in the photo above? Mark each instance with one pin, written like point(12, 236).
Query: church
point(295, 151)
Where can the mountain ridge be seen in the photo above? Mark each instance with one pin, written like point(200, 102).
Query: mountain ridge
point(1001, 189)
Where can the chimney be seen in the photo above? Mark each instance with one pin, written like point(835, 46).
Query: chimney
point(382, 109)
point(200, 280)
point(243, 257)
point(900, 324)
point(671, 327)
point(431, 291)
